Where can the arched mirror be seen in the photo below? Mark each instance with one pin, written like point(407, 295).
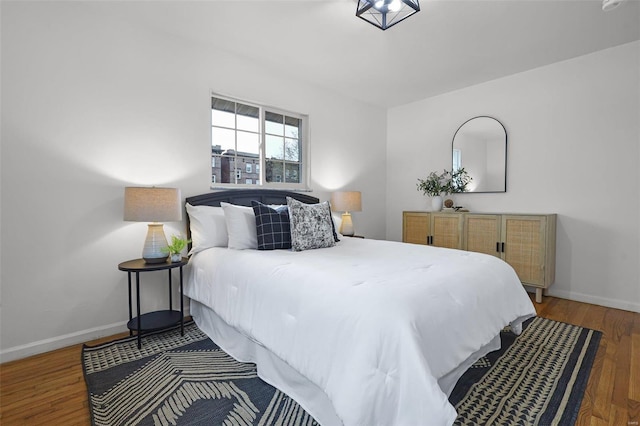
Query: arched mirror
point(480, 147)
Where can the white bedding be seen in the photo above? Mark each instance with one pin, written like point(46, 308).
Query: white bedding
point(374, 324)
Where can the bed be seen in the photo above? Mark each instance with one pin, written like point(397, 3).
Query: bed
point(365, 332)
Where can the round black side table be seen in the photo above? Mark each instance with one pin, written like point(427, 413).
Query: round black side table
point(156, 320)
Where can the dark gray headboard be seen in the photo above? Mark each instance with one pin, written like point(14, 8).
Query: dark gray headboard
point(243, 197)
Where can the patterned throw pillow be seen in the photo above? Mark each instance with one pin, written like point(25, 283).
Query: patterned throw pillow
point(311, 225)
point(272, 226)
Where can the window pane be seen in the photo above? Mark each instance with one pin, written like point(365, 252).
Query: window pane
point(223, 113)
point(248, 142)
point(223, 105)
point(247, 118)
point(292, 173)
point(291, 149)
point(223, 119)
point(251, 170)
point(228, 167)
point(292, 127)
point(274, 123)
point(274, 147)
point(226, 138)
point(273, 171)
point(216, 170)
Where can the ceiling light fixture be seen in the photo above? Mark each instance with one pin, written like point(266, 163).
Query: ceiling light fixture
point(608, 5)
point(386, 13)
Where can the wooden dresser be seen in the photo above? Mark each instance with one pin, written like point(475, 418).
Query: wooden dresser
point(527, 242)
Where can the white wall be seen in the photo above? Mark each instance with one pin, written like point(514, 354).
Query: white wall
point(91, 104)
point(573, 149)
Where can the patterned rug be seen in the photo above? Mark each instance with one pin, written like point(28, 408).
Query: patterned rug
point(537, 378)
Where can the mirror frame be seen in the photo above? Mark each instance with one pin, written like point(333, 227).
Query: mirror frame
point(505, 152)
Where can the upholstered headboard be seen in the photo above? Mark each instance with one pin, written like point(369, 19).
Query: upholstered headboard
point(243, 197)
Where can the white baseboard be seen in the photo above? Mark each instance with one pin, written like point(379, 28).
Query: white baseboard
point(625, 305)
point(58, 342)
point(46, 345)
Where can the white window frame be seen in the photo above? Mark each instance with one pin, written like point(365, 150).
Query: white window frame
point(260, 167)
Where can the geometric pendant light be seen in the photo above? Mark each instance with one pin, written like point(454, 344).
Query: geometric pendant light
point(386, 13)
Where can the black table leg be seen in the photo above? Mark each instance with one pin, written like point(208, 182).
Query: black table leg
point(138, 308)
point(130, 309)
point(170, 298)
point(181, 306)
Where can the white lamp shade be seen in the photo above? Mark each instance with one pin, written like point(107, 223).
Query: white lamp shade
point(346, 201)
point(152, 204)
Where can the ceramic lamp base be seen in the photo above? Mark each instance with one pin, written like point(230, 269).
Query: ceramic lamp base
point(346, 228)
point(154, 244)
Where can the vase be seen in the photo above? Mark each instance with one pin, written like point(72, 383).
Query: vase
point(176, 257)
point(436, 203)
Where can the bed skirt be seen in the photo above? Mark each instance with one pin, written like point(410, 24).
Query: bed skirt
point(279, 374)
point(270, 367)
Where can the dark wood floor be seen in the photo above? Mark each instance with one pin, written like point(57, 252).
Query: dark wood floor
point(49, 389)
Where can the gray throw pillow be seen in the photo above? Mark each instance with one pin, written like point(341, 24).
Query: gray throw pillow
point(311, 225)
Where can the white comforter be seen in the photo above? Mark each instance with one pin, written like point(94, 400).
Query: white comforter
point(374, 324)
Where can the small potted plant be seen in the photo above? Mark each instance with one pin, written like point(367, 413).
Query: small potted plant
point(444, 183)
point(175, 248)
point(433, 186)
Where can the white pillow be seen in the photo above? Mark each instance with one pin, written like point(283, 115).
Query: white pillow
point(208, 227)
point(241, 226)
point(337, 222)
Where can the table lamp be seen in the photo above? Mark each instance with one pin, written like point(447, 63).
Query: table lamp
point(346, 201)
point(142, 204)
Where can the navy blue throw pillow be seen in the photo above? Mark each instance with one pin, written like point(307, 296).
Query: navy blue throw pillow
point(272, 226)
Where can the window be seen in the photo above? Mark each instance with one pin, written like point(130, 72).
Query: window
point(272, 144)
point(457, 159)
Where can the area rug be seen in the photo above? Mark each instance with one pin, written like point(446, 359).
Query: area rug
point(537, 378)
